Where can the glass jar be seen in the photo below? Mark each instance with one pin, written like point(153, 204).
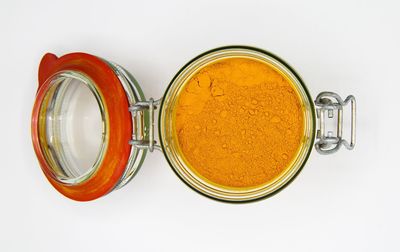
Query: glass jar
point(92, 126)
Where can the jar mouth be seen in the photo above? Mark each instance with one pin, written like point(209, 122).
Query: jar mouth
point(72, 127)
point(178, 161)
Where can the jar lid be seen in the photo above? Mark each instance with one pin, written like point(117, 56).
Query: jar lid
point(81, 125)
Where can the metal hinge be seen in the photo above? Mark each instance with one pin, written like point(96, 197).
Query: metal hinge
point(328, 103)
point(149, 142)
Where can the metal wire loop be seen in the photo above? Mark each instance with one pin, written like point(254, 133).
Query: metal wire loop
point(327, 103)
point(150, 143)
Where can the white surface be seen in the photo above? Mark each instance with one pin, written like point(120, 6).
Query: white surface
point(344, 202)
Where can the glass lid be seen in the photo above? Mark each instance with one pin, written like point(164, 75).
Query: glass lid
point(82, 127)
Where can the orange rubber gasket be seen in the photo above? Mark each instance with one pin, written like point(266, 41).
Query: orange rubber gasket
point(118, 119)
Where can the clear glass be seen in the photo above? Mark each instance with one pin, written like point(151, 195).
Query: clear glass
point(72, 126)
point(182, 167)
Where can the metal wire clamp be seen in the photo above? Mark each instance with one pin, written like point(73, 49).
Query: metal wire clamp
point(150, 143)
point(327, 103)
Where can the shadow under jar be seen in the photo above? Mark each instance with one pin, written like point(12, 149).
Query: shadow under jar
point(92, 126)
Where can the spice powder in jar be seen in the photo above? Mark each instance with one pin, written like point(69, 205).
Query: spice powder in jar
point(239, 122)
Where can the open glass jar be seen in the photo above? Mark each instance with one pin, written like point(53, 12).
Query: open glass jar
point(92, 126)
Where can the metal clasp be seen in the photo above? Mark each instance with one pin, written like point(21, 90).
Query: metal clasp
point(151, 105)
point(327, 103)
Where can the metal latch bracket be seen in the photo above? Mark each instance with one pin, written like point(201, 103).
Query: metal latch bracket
point(326, 103)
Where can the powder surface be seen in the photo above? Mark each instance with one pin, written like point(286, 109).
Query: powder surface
point(239, 122)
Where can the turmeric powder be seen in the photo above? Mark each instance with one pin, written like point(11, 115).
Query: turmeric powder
point(239, 122)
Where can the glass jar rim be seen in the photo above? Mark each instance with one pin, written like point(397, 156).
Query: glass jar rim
point(181, 167)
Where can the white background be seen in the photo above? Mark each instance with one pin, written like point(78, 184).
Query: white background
point(345, 202)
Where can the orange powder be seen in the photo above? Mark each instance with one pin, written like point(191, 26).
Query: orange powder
point(239, 122)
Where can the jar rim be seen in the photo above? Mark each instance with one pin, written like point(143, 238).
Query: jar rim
point(181, 168)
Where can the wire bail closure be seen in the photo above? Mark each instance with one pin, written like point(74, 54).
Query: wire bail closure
point(327, 103)
point(151, 105)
